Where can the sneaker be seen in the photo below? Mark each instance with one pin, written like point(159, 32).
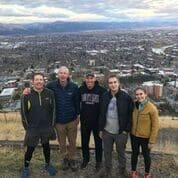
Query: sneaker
point(133, 174)
point(25, 173)
point(98, 166)
point(84, 165)
point(73, 165)
point(147, 175)
point(50, 169)
point(65, 164)
point(104, 172)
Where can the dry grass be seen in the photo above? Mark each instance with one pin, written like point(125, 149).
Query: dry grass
point(11, 129)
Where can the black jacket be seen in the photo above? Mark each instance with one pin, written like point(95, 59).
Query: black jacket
point(90, 104)
point(38, 109)
point(124, 107)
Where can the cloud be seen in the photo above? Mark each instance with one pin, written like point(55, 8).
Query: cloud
point(86, 10)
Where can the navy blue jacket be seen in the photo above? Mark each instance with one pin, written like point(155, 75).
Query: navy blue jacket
point(124, 108)
point(67, 101)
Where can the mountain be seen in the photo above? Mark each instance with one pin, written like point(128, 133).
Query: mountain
point(58, 26)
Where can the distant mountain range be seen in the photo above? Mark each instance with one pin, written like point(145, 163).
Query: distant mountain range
point(58, 26)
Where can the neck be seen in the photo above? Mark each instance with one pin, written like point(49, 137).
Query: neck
point(114, 92)
point(63, 83)
point(38, 90)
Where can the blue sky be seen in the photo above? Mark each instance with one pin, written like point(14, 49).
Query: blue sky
point(28, 11)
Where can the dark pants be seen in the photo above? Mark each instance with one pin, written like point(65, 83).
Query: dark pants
point(30, 150)
point(85, 139)
point(120, 140)
point(136, 142)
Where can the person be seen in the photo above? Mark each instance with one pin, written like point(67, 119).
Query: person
point(90, 97)
point(38, 119)
point(67, 116)
point(144, 130)
point(114, 124)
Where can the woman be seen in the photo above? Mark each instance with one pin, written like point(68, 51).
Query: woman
point(144, 130)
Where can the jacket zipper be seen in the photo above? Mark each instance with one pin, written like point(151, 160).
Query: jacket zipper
point(39, 95)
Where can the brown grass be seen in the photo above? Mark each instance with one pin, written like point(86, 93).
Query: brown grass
point(11, 129)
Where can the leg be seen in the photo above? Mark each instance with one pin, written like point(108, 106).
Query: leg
point(72, 135)
point(48, 167)
point(135, 144)
point(108, 141)
point(98, 146)
point(85, 138)
point(146, 154)
point(46, 152)
point(28, 156)
point(121, 141)
point(61, 134)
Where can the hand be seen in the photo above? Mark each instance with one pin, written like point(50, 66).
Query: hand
point(150, 145)
point(77, 120)
point(26, 91)
point(124, 132)
point(101, 134)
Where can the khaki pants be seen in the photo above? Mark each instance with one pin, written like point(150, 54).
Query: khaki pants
point(67, 132)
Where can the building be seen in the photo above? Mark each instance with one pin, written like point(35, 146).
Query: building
point(153, 89)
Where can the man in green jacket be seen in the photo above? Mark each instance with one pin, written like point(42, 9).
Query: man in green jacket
point(38, 118)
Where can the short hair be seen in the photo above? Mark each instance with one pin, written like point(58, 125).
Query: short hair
point(112, 76)
point(141, 88)
point(37, 73)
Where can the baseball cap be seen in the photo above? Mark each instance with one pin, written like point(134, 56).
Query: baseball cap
point(90, 74)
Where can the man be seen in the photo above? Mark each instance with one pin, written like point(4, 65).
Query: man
point(38, 118)
point(90, 96)
point(67, 116)
point(114, 123)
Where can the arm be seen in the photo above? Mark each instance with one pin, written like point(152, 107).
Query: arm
point(130, 110)
point(24, 109)
point(154, 125)
point(77, 101)
point(53, 109)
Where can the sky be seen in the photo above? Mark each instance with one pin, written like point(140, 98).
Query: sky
point(29, 11)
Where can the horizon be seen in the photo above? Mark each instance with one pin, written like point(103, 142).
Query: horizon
point(46, 11)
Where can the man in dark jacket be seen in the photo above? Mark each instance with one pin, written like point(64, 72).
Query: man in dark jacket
point(114, 123)
point(67, 116)
point(38, 118)
point(90, 96)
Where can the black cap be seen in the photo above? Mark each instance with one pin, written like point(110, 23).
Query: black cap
point(90, 74)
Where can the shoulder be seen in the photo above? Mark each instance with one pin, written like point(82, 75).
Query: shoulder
point(152, 106)
point(51, 84)
point(72, 85)
point(124, 94)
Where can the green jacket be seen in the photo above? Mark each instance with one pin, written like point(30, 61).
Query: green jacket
point(38, 109)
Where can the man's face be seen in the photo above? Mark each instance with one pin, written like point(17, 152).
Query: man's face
point(113, 84)
point(38, 82)
point(90, 81)
point(63, 74)
point(140, 95)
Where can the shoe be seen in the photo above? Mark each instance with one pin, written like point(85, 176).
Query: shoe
point(50, 169)
point(65, 164)
point(73, 165)
point(104, 172)
point(98, 166)
point(147, 175)
point(133, 174)
point(25, 173)
point(84, 165)
point(122, 171)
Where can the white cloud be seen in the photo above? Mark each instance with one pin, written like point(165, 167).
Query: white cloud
point(86, 10)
